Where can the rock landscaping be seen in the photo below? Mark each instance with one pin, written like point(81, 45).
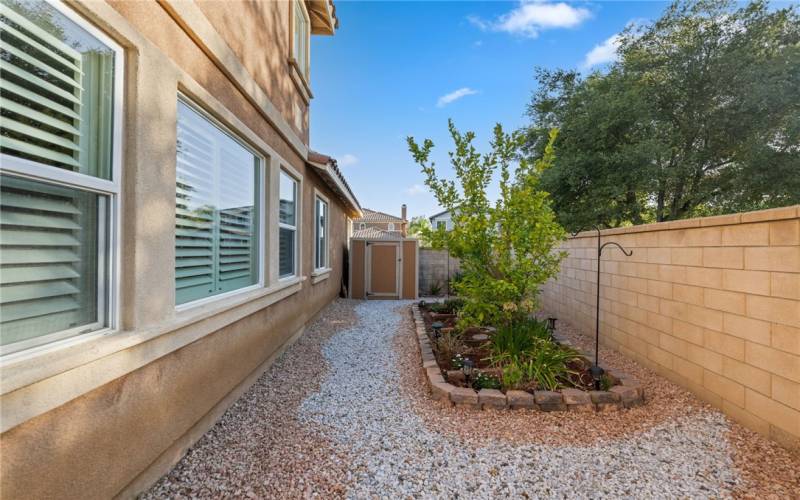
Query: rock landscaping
point(345, 413)
point(452, 386)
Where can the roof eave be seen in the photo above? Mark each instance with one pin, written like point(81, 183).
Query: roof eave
point(323, 17)
point(337, 184)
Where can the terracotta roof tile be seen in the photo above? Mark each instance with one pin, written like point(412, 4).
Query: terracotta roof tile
point(375, 216)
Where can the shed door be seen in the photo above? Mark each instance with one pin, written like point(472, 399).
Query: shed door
point(383, 269)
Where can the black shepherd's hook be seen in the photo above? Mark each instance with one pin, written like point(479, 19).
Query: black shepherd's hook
point(626, 252)
point(597, 372)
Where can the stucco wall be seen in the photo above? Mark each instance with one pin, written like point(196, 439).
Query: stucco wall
point(107, 415)
point(258, 33)
point(712, 304)
point(433, 269)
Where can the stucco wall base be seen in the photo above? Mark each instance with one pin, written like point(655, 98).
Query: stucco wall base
point(164, 463)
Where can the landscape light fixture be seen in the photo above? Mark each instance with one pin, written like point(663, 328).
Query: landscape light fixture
point(551, 324)
point(422, 303)
point(468, 367)
point(437, 329)
point(596, 371)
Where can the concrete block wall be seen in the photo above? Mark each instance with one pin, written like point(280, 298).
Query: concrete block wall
point(433, 269)
point(712, 304)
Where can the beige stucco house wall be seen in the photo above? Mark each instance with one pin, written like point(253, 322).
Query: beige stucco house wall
point(107, 415)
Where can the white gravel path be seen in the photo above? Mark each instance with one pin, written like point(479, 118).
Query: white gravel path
point(394, 453)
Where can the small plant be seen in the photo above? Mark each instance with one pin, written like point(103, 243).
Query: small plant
point(547, 366)
point(517, 338)
point(449, 343)
point(454, 305)
point(605, 383)
point(485, 381)
point(457, 362)
point(450, 306)
point(436, 288)
point(512, 376)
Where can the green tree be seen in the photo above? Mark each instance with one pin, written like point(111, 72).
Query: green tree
point(699, 116)
point(419, 227)
point(507, 247)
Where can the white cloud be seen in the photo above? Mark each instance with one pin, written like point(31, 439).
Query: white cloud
point(347, 159)
point(454, 96)
point(533, 16)
point(604, 53)
point(416, 189)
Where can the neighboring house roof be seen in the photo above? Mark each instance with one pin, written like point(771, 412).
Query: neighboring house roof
point(375, 216)
point(372, 233)
point(445, 212)
point(330, 173)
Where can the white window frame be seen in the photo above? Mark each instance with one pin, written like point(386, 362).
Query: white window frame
point(321, 197)
point(296, 228)
point(305, 73)
point(390, 226)
point(108, 266)
point(261, 190)
point(362, 225)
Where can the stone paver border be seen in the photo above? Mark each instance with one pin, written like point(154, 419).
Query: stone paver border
point(627, 394)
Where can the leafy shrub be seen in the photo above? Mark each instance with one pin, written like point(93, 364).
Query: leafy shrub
point(508, 246)
point(436, 288)
point(454, 280)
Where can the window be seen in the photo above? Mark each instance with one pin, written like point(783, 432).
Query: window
point(287, 232)
point(61, 116)
point(321, 233)
point(391, 226)
point(302, 33)
point(216, 210)
point(362, 226)
point(441, 224)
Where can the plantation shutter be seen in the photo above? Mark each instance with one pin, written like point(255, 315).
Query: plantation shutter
point(238, 263)
point(47, 256)
point(216, 219)
point(42, 89)
point(195, 233)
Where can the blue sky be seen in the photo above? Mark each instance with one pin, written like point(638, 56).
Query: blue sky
point(403, 68)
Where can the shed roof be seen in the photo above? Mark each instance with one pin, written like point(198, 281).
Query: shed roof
point(372, 233)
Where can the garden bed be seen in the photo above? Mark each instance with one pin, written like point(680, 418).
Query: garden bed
point(490, 385)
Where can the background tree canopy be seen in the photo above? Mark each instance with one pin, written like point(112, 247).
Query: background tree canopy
point(700, 115)
point(418, 227)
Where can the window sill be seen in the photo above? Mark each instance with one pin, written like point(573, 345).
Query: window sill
point(300, 80)
point(29, 367)
point(320, 275)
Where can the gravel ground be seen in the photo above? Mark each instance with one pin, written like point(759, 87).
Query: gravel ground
point(344, 413)
point(259, 449)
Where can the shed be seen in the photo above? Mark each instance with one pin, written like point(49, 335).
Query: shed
point(384, 266)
